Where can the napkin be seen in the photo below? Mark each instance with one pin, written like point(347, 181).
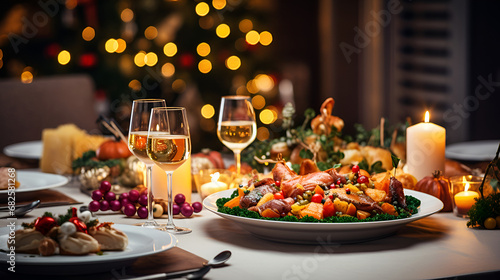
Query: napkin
point(45, 196)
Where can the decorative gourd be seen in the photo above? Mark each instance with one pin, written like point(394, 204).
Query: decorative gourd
point(438, 186)
point(206, 159)
point(113, 149)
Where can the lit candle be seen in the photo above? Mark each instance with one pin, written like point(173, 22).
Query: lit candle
point(213, 186)
point(425, 148)
point(464, 200)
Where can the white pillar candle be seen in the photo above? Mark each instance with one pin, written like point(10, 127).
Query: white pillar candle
point(425, 148)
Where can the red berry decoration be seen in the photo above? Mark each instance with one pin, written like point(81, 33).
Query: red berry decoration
point(333, 186)
point(105, 186)
point(363, 179)
point(197, 206)
point(115, 205)
point(355, 169)
point(129, 210)
point(187, 210)
point(96, 195)
point(176, 209)
point(104, 205)
point(142, 212)
point(110, 196)
point(339, 181)
point(123, 196)
point(143, 200)
point(94, 206)
point(80, 225)
point(179, 199)
point(133, 195)
point(45, 224)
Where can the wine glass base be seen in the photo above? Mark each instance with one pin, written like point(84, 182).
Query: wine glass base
point(178, 230)
point(153, 224)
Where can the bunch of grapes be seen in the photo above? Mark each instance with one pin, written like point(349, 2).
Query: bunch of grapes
point(183, 207)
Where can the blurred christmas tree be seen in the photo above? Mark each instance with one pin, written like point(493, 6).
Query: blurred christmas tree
point(189, 52)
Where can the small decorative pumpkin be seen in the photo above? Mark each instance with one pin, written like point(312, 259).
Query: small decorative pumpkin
point(113, 149)
point(438, 186)
point(206, 159)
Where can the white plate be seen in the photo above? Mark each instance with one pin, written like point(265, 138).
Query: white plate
point(141, 242)
point(314, 233)
point(35, 181)
point(28, 150)
point(474, 150)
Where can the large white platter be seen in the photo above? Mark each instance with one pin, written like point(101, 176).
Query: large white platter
point(474, 150)
point(28, 150)
point(314, 233)
point(142, 242)
point(35, 181)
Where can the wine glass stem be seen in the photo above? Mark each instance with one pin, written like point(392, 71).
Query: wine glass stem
point(237, 159)
point(170, 210)
point(149, 186)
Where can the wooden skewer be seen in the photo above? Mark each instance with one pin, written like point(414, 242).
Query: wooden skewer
point(124, 139)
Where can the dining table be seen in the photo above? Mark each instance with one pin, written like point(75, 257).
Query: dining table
point(439, 246)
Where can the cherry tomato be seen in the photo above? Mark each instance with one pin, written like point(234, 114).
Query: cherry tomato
point(355, 169)
point(317, 198)
point(278, 196)
point(278, 183)
point(332, 186)
point(363, 179)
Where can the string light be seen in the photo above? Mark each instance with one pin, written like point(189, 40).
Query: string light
point(202, 9)
point(168, 70)
point(245, 25)
point(135, 85)
point(205, 66)
point(219, 4)
point(262, 133)
point(266, 116)
point(251, 87)
point(252, 37)
point(111, 45)
point(203, 49)
point(223, 30)
point(264, 82)
point(122, 45)
point(170, 49)
point(233, 62)
point(151, 32)
point(151, 59)
point(127, 15)
point(179, 85)
point(88, 33)
point(140, 59)
point(64, 57)
point(207, 111)
point(26, 77)
point(258, 102)
point(206, 22)
point(266, 38)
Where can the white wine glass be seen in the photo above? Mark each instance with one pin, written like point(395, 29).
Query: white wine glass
point(169, 146)
point(236, 128)
point(137, 140)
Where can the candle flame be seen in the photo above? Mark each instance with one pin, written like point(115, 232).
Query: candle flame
point(466, 188)
point(427, 117)
point(215, 177)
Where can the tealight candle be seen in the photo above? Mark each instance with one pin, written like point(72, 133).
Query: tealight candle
point(213, 186)
point(464, 200)
point(425, 148)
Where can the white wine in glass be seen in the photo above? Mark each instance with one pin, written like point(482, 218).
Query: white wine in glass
point(137, 141)
point(169, 146)
point(236, 128)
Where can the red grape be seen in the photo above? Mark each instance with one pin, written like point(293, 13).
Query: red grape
point(185, 203)
point(142, 212)
point(96, 195)
point(104, 205)
point(94, 206)
point(110, 196)
point(187, 210)
point(176, 209)
point(124, 196)
point(125, 201)
point(105, 186)
point(143, 200)
point(133, 195)
point(179, 198)
point(115, 205)
point(197, 206)
point(129, 210)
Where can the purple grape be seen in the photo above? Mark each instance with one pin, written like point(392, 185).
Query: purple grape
point(197, 206)
point(110, 196)
point(179, 198)
point(104, 205)
point(124, 196)
point(187, 211)
point(142, 212)
point(125, 201)
point(133, 195)
point(143, 200)
point(129, 210)
point(96, 195)
point(94, 206)
point(185, 203)
point(105, 186)
point(176, 209)
point(115, 205)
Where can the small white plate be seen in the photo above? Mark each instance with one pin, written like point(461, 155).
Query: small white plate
point(141, 242)
point(28, 150)
point(474, 150)
point(314, 233)
point(35, 181)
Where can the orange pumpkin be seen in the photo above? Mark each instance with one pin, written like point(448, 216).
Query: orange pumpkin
point(438, 186)
point(113, 149)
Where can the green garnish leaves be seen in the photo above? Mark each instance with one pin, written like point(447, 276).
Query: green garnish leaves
point(483, 209)
point(395, 161)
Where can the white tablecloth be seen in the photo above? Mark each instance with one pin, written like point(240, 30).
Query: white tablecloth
point(435, 247)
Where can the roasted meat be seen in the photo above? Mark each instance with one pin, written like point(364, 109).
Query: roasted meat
point(396, 192)
point(252, 198)
point(280, 206)
point(361, 201)
point(281, 172)
point(308, 182)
